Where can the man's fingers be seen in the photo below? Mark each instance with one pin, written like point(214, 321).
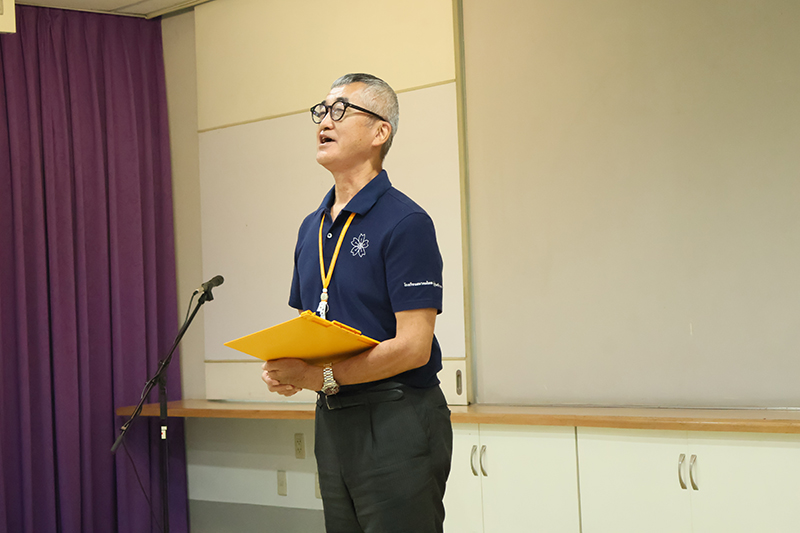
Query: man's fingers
point(274, 385)
point(286, 390)
point(271, 382)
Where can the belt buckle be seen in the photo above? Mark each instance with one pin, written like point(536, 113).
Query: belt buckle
point(328, 403)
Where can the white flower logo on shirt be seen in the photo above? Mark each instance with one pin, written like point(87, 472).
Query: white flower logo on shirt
point(360, 245)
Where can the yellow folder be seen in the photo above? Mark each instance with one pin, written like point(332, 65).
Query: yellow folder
point(308, 337)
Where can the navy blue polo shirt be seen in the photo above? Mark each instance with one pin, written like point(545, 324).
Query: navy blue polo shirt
point(389, 262)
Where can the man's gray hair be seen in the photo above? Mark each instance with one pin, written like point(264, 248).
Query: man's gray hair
point(380, 98)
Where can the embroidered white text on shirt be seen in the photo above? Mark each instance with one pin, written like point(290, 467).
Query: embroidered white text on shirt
point(421, 283)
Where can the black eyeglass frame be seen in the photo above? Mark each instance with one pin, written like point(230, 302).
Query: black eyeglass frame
point(329, 109)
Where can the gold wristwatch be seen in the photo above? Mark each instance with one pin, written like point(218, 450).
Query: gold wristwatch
point(329, 385)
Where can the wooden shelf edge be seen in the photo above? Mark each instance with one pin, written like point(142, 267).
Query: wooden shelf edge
point(221, 409)
point(734, 421)
point(634, 422)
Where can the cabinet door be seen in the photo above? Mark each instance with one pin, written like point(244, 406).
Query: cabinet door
point(462, 499)
point(745, 482)
point(629, 481)
point(529, 477)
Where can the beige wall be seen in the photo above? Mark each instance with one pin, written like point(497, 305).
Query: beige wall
point(8, 20)
point(181, 74)
point(264, 58)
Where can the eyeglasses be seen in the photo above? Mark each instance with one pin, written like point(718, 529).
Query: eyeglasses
point(337, 109)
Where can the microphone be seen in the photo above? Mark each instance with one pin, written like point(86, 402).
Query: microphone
point(216, 281)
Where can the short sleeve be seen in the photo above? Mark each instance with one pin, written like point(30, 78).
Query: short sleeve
point(414, 265)
point(294, 295)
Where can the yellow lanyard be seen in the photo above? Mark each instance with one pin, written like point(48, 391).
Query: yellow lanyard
point(322, 309)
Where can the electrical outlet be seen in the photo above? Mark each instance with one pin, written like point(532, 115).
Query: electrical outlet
point(317, 492)
point(299, 446)
point(282, 483)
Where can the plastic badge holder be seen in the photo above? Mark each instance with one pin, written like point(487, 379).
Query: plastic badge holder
point(308, 337)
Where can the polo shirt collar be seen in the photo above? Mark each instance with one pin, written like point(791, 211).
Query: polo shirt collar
point(364, 199)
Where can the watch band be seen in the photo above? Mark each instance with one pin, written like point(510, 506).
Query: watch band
point(329, 385)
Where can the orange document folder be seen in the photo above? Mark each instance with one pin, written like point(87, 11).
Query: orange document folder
point(308, 337)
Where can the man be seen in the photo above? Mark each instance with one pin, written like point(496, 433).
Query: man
point(383, 433)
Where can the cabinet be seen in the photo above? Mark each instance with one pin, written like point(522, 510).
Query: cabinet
point(629, 481)
point(512, 478)
point(748, 477)
point(747, 482)
point(463, 500)
point(633, 481)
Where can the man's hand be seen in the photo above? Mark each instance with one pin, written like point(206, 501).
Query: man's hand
point(289, 376)
point(276, 386)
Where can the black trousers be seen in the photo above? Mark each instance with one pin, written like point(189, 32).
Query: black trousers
point(383, 457)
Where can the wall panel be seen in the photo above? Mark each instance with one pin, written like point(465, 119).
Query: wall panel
point(633, 185)
point(258, 182)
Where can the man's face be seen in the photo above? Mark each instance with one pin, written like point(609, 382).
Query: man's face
point(348, 142)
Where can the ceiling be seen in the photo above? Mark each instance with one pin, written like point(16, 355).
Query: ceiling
point(140, 8)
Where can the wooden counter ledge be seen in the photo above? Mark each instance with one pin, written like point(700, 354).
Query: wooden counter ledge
point(733, 420)
point(226, 409)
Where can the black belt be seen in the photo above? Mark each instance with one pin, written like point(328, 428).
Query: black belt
point(383, 392)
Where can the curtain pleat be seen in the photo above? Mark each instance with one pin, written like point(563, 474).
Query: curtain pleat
point(87, 308)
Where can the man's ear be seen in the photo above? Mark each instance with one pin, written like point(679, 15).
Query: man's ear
point(382, 134)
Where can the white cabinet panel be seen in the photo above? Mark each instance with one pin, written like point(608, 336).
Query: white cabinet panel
point(462, 500)
point(735, 482)
point(746, 482)
point(512, 478)
point(629, 481)
point(531, 480)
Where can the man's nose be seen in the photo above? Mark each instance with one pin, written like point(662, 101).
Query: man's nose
point(327, 122)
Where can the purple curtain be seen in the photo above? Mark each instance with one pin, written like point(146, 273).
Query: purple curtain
point(87, 273)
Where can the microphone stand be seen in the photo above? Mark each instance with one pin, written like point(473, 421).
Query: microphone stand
point(160, 379)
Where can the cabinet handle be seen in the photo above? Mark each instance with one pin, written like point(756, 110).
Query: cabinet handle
point(692, 462)
point(680, 470)
point(472, 460)
point(459, 387)
point(483, 453)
